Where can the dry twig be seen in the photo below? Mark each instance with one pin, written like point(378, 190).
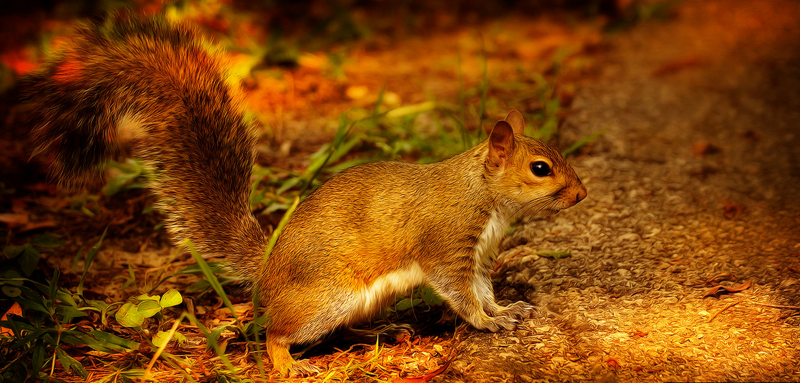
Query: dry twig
point(729, 305)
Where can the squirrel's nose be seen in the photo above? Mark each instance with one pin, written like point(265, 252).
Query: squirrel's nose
point(581, 194)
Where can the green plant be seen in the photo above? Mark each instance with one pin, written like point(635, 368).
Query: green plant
point(127, 176)
point(85, 204)
point(421, 294)
point(134, 313)
point(35, 340)
point(27, 255)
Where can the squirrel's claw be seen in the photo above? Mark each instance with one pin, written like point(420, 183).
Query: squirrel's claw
point(301, 368)
point(520, 309)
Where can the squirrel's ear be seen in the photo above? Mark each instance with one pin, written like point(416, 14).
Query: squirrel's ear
point(501, 143)
point(516, 121)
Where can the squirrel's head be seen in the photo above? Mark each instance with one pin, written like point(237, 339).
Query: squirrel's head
point(528, 174)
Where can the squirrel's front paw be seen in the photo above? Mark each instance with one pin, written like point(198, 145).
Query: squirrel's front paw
point(519, 309)
point(494, 324)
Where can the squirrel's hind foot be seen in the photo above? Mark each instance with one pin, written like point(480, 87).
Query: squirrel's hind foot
point(282, 361)
point(301, 368)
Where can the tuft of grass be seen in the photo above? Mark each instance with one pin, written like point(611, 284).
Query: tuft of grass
point(484, 89)
point(36, 340)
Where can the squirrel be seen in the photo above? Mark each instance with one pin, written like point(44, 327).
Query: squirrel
point(367, 234)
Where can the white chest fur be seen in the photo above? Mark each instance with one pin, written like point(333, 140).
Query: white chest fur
point(485, 251)
point(489, 240)
point(372, 297)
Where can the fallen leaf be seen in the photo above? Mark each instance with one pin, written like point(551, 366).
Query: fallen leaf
point(38, 225)
point(14, 309)
point(719, 278)
point(715, 291)
point(424, 378)
point(702, 148)
point(14, 220)
point(732, 209)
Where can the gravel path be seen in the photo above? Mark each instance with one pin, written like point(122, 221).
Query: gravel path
point(694, 185)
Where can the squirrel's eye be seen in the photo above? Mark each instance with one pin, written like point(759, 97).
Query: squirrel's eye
point(540, 169)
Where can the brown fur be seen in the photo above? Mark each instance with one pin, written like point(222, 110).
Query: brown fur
point(361, 238)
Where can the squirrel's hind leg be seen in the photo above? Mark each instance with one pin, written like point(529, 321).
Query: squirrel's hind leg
point(283, 362)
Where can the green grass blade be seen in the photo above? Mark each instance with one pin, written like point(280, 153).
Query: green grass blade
point(89, 257)
point(582, 142)
point(163, 346)
point(412, 109)
point(275, 234)
point(484, 88)
point(204, 330)
point(461, 106)
point(313, 170)
point(379, 102)
point(212, 279)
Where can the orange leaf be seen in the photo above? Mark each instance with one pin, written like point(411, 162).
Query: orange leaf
point(426, 377)
point(38, 225)
point(716, 289)
point(14, 309)
point(732, 209)
point(14, 220)
point(702, 148)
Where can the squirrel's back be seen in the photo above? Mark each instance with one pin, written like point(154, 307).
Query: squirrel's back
point(159, 83)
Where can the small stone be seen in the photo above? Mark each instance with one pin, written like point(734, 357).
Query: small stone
point(629, 237)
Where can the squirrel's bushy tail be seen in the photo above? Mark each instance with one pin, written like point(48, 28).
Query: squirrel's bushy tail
point(157, 82)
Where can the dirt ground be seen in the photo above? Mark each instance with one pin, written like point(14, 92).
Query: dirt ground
point(692, 186)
